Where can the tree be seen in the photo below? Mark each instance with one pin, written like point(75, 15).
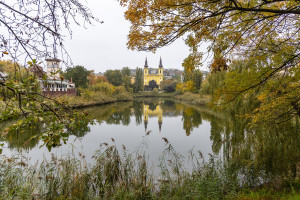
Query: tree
point(126, 78)
point(126, 82)
point(194, 76)
point(30, 32)
point(138, 82)
point(197, 78)
point(94, 79)
point(79, 75)
point(114, 77)
point(126, 71)
point(152, 85)
point(188, 86)
point(169, 85)
point(219, 63)
point(6, 66)
point(266, 32)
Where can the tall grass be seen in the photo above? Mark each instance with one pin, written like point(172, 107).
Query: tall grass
point(194, 98)
point(119, 174)
point(97, 94)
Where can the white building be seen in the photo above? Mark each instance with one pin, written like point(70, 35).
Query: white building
point(55, 82)
point(53, 68)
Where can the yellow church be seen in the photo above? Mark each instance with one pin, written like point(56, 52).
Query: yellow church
point(156, 75)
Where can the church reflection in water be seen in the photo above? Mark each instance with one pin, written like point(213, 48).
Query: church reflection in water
point(152, 111)
point(268, 151)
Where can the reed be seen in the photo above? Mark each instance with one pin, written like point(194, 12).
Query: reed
point(120, 174)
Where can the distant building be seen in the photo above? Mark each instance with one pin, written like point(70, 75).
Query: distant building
point(54, 84)
point(155, 74)
point(53, 68)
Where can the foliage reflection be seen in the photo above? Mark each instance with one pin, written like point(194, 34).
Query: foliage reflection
point(259, 153)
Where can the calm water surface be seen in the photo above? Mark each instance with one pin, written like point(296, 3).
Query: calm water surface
point(145, 124)
point(141, 124)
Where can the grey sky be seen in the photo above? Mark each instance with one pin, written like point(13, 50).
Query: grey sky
point(103, 46)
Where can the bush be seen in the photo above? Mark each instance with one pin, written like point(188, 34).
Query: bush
point(188, 86)
point(119, 90)
point(155, 90)
point(104, 87)
point(169, 85)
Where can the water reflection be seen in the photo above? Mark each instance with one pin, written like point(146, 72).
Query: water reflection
point(265, 152)
point(142, 110)
point(21, 139)
point(152, 110)
point(118, 114)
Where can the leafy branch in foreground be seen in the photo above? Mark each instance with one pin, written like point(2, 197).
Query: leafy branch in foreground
point(31, 31)
point(22, 99)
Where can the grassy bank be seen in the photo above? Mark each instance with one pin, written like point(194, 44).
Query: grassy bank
point(123, 175)
point(153, 94)
point(193, 98)
point(97, 94)
point(94, 100)
point(187, 97)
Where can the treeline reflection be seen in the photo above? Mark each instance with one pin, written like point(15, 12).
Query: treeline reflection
point(264, 152)
point(121, 113)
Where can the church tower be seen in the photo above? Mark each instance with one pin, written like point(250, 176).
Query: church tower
point(160, 71)
point(146, 72)
point(146, 66)
point(154, 75)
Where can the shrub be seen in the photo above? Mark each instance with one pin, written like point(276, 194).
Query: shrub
point(188, 86)
point(119, 90)
point(155, 90)
point(104, 87)
point(169, 85)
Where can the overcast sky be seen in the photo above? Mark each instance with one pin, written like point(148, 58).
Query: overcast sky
point(103, 46)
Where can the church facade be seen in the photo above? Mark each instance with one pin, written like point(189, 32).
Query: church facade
point(157, 75)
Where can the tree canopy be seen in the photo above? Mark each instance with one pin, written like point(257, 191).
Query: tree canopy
point(114, 77)
point(262, 34)
point(138, 83)
point(243, 28)
point(78, 74)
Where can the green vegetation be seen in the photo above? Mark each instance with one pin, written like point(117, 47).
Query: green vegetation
point(21, 96)
point(169, 85)
point(261, 87)
point(255, 46)
point(154, 93)
point(152, 85)
point(192, 81)
point(114, 77)
point(138, 81)
point(189, 97)
point(97, 94)
point(78, 74)
point(126, 175)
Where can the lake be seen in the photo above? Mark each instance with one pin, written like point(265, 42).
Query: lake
point(144, 124)
point(152, 124)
